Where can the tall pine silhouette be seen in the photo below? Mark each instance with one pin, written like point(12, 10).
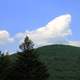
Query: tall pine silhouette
point(28, 65)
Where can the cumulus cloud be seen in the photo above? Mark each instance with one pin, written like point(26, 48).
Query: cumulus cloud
point(5, 37)
point(52, 33)
point(55, 32)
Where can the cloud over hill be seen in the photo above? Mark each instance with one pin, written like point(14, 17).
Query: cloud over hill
point(55, 32)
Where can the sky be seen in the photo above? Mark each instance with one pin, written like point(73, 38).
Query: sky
point(45, 21)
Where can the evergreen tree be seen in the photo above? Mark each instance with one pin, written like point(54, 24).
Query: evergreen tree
point(5, 61)
point(28, 66)
point(1, 62)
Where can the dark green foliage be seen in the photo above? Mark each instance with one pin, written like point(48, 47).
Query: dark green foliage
point(63, 61)
point(27, 44)
point(27, 65)
point(1, 62)
point(5, 62)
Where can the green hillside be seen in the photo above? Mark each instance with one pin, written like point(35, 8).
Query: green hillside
point(63, 61)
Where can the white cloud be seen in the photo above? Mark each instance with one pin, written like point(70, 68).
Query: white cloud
point(74, 43)
point(54, 32)
point(5, 37)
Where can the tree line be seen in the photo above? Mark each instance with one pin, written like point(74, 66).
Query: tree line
point(25, 66)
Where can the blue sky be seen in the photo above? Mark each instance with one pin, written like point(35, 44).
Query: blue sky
point(21, 15)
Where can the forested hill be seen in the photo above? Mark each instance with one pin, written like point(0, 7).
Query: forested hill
point(62, 50)
point(63, 61)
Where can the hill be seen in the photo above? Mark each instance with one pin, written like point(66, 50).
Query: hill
point(63, 61)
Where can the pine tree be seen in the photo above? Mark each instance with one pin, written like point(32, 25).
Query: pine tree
point(5, 61)
point(28, 65)
point(1, 62)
